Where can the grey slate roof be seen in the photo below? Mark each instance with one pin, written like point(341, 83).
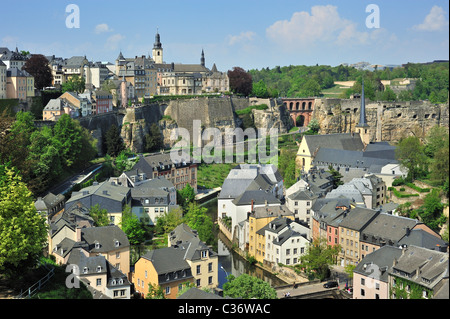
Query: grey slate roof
point(421, 265)
point(269, 211)
point(344, 141)
point(181, 233)
point(195, 293)
point(358, 218)
point(107, 238)
point(421, 238)
point(108, 195)
point(259, 197)
point(386, 227)
point(48, 201)
point(168, 260)
point(351, 158)
point(303, 195)
point(378, 263)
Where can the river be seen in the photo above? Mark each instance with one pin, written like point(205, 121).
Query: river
point(230, 262)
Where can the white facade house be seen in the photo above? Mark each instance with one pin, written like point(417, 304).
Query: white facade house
point(286, 241)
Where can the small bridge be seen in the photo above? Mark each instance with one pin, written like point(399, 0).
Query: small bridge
point(300, 110)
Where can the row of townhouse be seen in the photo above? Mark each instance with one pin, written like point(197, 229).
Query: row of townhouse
point(78, 104)
point(97, 256)
point(151, 75)
point(160, 165)
point(360, 231)
point(404, 272)
point(186, 261)
point(261, 225)
point(15, 83)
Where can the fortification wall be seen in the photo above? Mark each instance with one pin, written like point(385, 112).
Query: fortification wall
point(388, 121)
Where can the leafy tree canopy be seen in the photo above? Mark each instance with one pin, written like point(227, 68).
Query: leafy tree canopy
point(248, 287)
point(23, 231)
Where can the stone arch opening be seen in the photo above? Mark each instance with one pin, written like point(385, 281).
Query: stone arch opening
point(309, 105)
point(303, 105)
point(300, 121)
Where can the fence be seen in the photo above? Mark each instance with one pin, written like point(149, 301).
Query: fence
point(37, 286)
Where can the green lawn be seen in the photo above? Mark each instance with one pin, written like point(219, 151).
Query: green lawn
point(213, 175)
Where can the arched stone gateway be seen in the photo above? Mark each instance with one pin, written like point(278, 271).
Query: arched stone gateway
point(300, 110)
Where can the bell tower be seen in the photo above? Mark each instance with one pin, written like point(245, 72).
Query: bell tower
point(157, 51)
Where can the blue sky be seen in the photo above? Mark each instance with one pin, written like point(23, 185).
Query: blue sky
point(251, 34)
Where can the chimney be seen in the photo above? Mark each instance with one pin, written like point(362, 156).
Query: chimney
point(78, 234)
point(251, 210)
point(408, 231)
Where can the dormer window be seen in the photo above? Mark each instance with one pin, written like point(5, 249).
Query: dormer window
point(120, 281)
point(204, 254)
point(97, 245)
point(85, 270)
point(99, 268)
point(117, 243)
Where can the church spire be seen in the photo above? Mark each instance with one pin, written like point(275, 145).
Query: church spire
point(157, 44)
point(362, 112)
point(202, 60)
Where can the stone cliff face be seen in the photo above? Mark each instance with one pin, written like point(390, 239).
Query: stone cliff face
point(388, 121)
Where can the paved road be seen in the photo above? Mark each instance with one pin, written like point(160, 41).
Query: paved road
point(75, 179)
point(302, 290)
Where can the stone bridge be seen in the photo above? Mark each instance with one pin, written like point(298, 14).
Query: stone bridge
point(300, 110)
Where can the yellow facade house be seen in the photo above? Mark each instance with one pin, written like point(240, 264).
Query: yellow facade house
point(258, 219)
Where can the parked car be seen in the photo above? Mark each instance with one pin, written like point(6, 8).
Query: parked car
point(330, 284)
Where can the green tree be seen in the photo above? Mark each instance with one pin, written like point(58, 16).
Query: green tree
point(431, 211)
point(440, 166)
point(410, 153)
point(286, 166)
point(114, 142)
point(99, 215)
point(260, 89)
point(196, 218)
point(166, 223)
point(132, 227)
point(122, 163)
point(388, 94)
point(77, 146)
point(310, 88)
point(154, 140)
point(314, 126)
point(337, 177)
point(74, 84)
point(23, 231)
point(155, 292)
point(44, 157)
point(318, 258)
point(248, 287)
point(436, 139)
point(185, 196)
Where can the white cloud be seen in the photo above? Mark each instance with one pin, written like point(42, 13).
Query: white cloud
point(323, 26)
point(112, 43)
point(434, 21)
point(243, 37)
point(102, 28)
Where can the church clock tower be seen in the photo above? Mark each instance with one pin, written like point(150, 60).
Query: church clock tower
point(157, 51)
